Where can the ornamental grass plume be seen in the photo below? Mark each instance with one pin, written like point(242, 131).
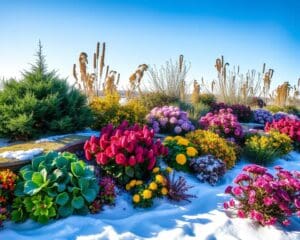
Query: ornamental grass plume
point(263, 197)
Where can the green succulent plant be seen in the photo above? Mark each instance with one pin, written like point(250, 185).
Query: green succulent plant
point(61, 183)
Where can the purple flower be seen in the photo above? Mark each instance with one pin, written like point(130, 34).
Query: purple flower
point(177, 130)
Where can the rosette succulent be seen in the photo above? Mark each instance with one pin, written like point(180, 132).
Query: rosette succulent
point(54, 185)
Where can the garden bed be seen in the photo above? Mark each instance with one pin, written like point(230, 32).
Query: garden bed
point(203, 218)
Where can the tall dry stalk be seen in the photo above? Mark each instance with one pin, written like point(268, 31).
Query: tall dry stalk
point(170, 78)
point(196, 92)
point(135, 80)
point(91, 83)
point(282, 94)
point(234, 87)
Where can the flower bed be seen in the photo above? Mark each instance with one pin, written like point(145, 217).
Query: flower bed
point(265, 198)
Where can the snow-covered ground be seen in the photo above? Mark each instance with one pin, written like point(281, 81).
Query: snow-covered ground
point(203, 218)
point(22, 155)
point(87, 133)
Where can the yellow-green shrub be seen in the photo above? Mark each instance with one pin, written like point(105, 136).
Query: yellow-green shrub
point(264, 148)
point(208, 142)
point(108, 110)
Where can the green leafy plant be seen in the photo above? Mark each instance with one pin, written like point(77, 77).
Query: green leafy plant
point(41, 103)
point(61, 183)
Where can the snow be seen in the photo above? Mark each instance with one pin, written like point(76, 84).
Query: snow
point(203, 218)
point(22, 154)
point(87, 133)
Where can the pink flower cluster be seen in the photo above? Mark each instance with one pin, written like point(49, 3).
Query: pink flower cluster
point(125, 145)
point(289, 126)
point(263, 197)
point(223, 123)
point(169, 119)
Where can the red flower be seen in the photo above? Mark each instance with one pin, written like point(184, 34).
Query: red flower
point(130, 147)
point(151, 164)
point(101, 158)
point(109, 152)
point(121, 159)
point(132, 161)
point(139, 158)
point(88, 155)
point(94, 148)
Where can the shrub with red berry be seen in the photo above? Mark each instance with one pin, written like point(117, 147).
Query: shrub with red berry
point(125, 152)
point(264, 197)
point(7, 187)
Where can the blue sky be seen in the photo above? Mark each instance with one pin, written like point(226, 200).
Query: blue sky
point(247, 33)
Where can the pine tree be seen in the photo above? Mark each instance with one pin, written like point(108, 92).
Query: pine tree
point(41, 103)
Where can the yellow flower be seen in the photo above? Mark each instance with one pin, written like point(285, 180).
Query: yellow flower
point(183, 142)
point(181, 159)
point(178, 137)
point(147, 194)
point(132, 183)
point(127, 187)
point(139, 182)
point(169, 138)
point(136, 198)
point(155, 170)
point(153, 186)
point(191, 151)
point(169, 170)
point(164, 191)
point(159, 178)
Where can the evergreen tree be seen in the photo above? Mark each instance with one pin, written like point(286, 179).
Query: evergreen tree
point(41, 103)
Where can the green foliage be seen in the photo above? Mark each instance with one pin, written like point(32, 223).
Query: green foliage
point(54, 185)
point(207, 98)
point(156, 99)
point(108, 110)
point(41, 103)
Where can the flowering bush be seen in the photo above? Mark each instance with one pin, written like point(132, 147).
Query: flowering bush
point(223, 123)
point(262, 116)
point(109, 110)
point(7, 187)
point(143, 194)
point(265, 198)
point(208, 142)
point(288, 126)
point(208, 168)
point(169, 119)
point(180, 152)
point(107, 194)
point(243, 112)
point(264, 148)
point(125, 152)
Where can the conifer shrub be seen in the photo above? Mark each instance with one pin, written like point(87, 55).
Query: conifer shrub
point(41, 103)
